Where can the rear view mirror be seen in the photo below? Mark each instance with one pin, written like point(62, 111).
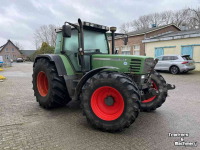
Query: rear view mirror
point(125, 40)
point(66, 31)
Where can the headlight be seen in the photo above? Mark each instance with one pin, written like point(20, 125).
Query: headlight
point(143, 77)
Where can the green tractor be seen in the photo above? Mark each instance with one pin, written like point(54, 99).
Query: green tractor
point(112, 89)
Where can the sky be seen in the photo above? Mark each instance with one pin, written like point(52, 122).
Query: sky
point(20, 18)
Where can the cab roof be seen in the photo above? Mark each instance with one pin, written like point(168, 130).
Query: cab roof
point(89, 26)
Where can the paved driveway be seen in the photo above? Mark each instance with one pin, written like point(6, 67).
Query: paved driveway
point(25, 125)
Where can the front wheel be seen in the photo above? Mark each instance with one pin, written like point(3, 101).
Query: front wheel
point(174, 70)
point(159, 84)
point(110, 101)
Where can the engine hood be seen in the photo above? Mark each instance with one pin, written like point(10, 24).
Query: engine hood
point(125, 63)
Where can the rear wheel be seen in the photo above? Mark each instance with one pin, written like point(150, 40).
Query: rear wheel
point(110, 101)
point(49, 88)
point(158, 83)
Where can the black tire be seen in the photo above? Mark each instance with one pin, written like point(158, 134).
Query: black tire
point(159, 99)
point(174, 70)
point(129, 92)
point(57, 92)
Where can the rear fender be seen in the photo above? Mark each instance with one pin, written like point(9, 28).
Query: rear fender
point(58, 61)
point(63, 67)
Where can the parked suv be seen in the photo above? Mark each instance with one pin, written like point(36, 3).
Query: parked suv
point(175, 63)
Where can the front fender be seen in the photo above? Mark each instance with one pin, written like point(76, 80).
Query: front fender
point(85, 78)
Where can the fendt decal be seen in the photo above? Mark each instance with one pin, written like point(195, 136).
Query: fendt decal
point(111, 59)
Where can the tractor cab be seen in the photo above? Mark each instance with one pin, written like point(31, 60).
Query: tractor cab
point(95, 42)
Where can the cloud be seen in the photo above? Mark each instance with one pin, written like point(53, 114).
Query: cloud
point(19, 19)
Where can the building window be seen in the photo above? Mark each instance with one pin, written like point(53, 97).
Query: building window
point(136, 49)
point(126, 53)
point(136, 46)
point(126, 50)
point(116, 50)
point(6, 56)
point(137, 52)
point(13, 49)
point(6, 49)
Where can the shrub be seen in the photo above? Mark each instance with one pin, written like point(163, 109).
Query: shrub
point(45, 49)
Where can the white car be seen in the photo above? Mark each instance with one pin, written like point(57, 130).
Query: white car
point(19, 60)
point(175, 63)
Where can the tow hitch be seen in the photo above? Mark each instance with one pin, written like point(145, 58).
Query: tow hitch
point(170, 87)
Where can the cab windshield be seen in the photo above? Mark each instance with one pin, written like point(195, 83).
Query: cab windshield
point(92, 40)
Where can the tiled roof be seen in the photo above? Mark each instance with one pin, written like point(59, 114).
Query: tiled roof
point(7, 43)
point(28, 52)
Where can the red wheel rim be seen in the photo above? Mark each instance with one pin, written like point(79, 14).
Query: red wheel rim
point(152, 98)
point(42, 84)
point(104, 111)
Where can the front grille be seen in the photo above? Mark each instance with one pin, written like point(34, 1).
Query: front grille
point(135, 65)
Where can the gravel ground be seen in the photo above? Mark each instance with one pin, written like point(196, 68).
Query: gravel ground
point(25, 125)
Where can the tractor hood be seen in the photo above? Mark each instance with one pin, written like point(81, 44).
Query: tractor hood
point(125, 63)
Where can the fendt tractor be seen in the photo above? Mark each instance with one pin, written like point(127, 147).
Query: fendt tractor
point(111, 89)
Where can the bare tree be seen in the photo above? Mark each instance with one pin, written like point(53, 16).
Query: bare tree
point(45, 34)
point(195, 19)
point(180, 17)
point(155, 18)
point(125, 27)
point(20, 46)
point(141, 23)
point(36, 44)
point(52, 35)
point(187, 16)
point(167, 17)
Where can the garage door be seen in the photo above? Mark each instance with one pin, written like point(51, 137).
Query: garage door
point(159, 52)
point(187, 50)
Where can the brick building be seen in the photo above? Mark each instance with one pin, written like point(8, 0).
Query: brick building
point(186, 42)
point(135, 45)
point(10, 51)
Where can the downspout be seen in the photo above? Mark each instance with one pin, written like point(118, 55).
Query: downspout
point(145, 45)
